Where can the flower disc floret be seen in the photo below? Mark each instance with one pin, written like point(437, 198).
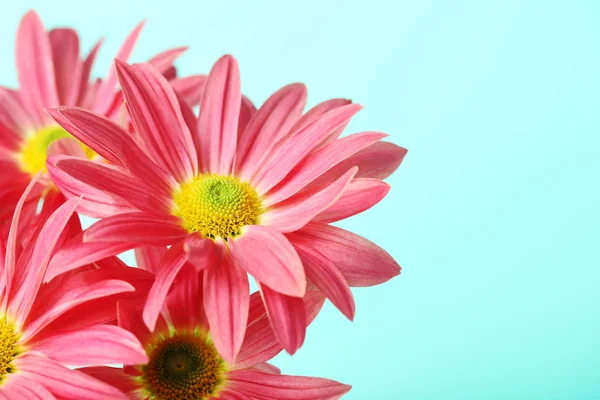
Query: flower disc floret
point(216, 206)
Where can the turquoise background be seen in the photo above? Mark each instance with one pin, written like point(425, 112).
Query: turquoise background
point(494, 213)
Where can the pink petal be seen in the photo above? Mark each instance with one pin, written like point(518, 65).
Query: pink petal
point(96, 345)
point(282, 387)
point(219, 115)
point(260, 343)
point(65, 298)
point(247, 111)
point(107, 89)
point(300, 145)
point(277, 115)
point(325, 275)
point(35, 68)
point(148, 257)
point(297, 212)
point(267, 255)
point(114, 144)
point(67, 68)
point(360, 195)
point(190, 88)
point(171, 264)
point(377, 161)
point(96, 203)
point(157, 117)
point(33, 268)
point(164, 60)
point(77, 254)
point(361, 261)
point(287, 316)
point(93, 311)
point(228, 394)
point(268, 368)
point(65, 383)
point(185, 302)
point(20, 387)
point(314, 113)
point(141, 227)
point(65, 147)
point(11, 243)
point(86, 69)
point(203, 252)
point(130, 319)
point(110, 178)
point(114, 377)
point(14, 121)
point(226, 300)
point(317, 163)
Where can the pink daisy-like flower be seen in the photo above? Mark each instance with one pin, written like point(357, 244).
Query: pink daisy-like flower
point(239, 191)
point(183, 363)
point(47, 327)
point(50, 74)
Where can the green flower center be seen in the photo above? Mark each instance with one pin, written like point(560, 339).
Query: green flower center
point(9, 349)
point(216, 206)
point(183, 367)
point(35, 149)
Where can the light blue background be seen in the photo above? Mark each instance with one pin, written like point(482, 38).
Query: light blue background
point(494, 213)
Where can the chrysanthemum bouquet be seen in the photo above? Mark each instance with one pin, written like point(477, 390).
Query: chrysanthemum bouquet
point(206, 199)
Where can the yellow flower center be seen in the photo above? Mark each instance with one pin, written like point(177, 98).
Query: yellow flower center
point(8, 347)
point(216, 206)
point(34, 151)
point(183, 366)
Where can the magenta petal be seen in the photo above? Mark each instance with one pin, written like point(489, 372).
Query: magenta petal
point(226, 299)
point(268, 256)
point(219, 115)
point(287, 316)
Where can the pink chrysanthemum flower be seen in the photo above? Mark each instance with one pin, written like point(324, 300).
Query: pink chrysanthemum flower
point(239, 190)
point(183, 363)
point(47, 327)
point(52, 73)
